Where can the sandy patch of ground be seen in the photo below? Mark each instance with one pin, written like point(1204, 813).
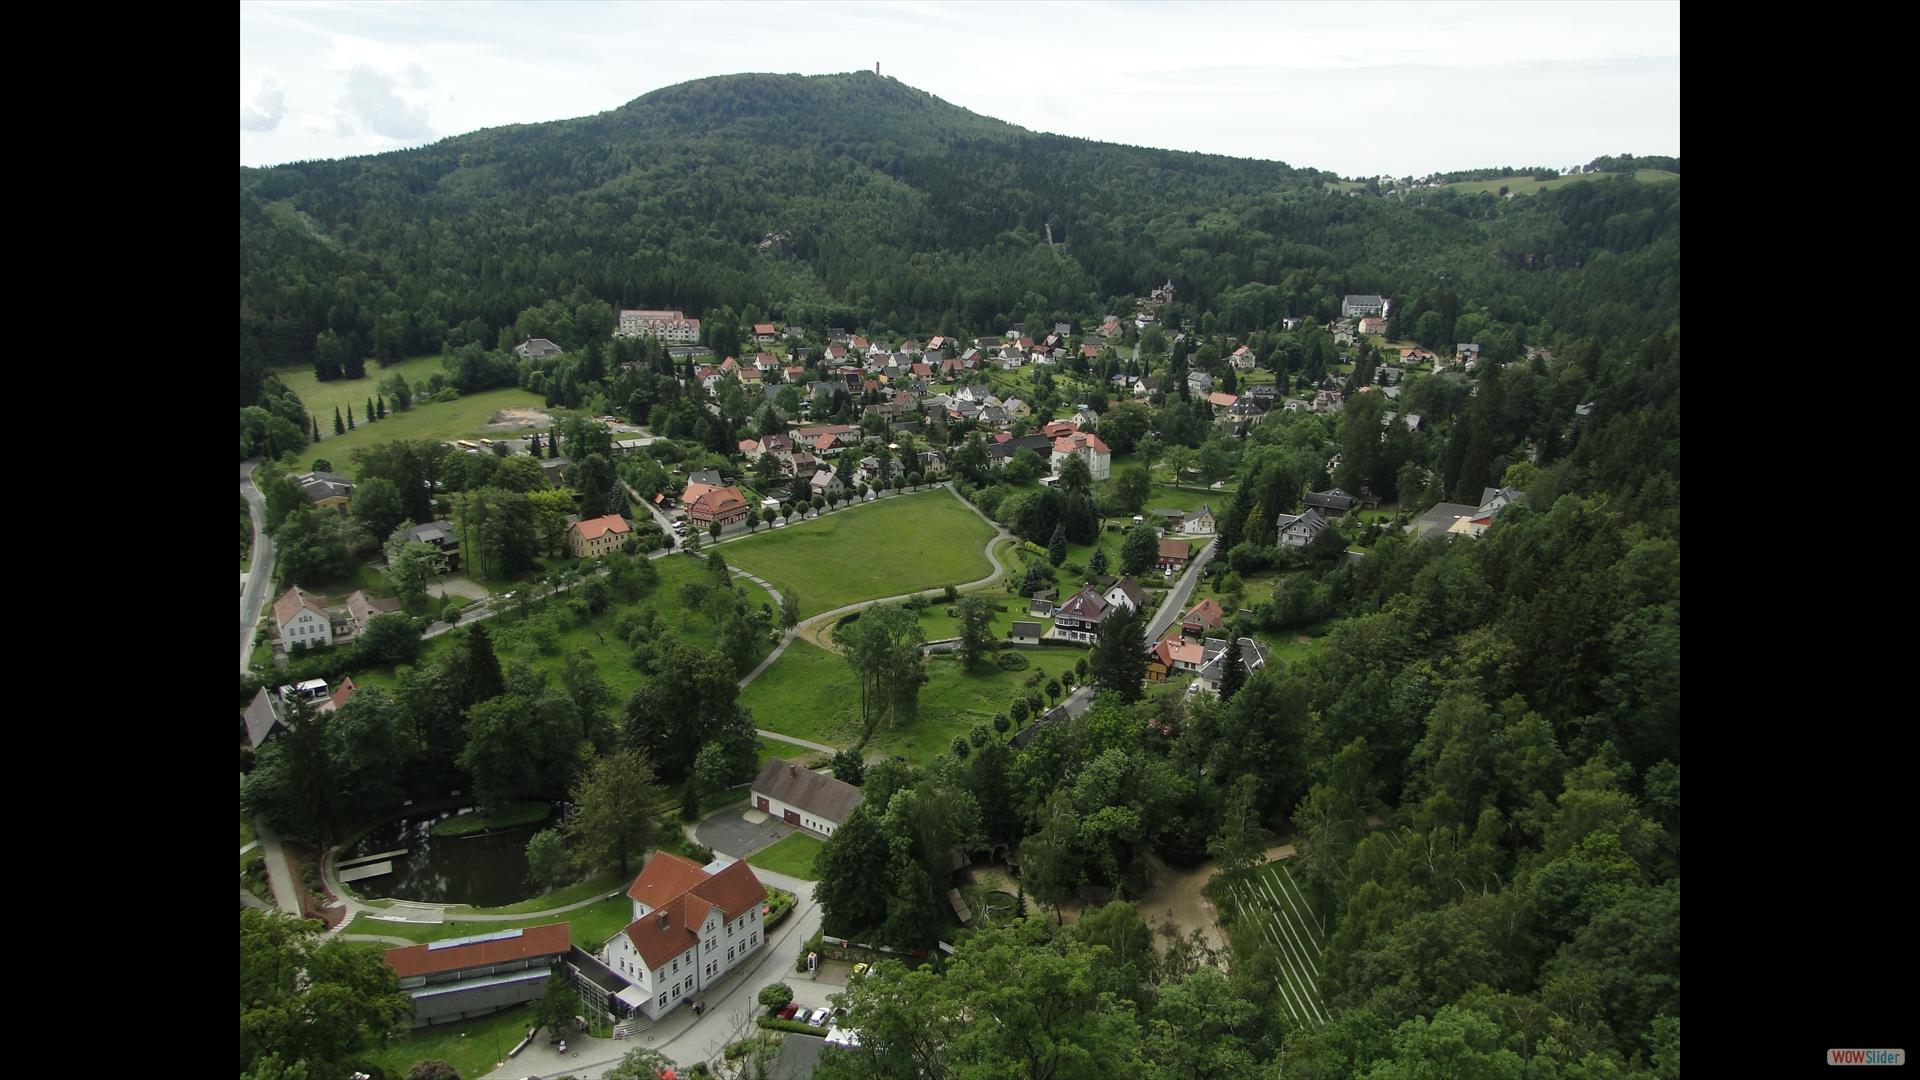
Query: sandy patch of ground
point(520, 418)
point(457, 586)
point(1177, 903)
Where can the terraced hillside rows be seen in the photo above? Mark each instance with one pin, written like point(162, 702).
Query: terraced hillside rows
point(1274, 904)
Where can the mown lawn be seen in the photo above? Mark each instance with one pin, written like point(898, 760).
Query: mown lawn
point(320, 398)
point(439, 421)
point(792, 855)
point(471, 1046)
point(888, 548)
point(809, 693)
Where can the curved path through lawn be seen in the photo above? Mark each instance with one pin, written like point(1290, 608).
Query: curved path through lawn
point(811, 628)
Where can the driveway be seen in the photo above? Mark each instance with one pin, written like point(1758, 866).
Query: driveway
point(740, 833)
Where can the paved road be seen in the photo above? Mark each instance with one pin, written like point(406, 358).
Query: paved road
point(254, 597)
point(1172, 606)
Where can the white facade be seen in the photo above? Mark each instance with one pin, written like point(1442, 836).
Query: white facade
point(793, 815)
point(723, 944)
point(306, 628)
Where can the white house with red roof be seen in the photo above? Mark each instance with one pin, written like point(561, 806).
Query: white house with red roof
point(1088, 446)
point(690, 928)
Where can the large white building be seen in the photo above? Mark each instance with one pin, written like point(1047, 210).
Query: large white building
point(666, 325)
point(689, 929)
point(302, 620)
point(1089, 447)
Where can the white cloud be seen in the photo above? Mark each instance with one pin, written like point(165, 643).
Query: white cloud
point(1357, 88)
point(373, 96)
point(263, 104)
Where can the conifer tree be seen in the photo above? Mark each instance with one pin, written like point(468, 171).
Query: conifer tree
point(369, 413)
point(349, 418)
point(339, 427)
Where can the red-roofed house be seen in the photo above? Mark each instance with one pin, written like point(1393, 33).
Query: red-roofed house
point(302, 619)
point(1205, 617)
point(473, 976)
point(597, 536)
point(723, 504)
point(765, 332)
point(1089, 447)
point(690, 927)
point(1173, 656)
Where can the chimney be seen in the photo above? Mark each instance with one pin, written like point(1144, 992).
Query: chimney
point(793, 770)
point(663, 918)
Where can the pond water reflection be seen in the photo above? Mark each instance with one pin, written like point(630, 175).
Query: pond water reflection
point(483, 870)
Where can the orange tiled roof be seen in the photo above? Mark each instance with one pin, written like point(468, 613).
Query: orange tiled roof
point(595, 528)
point(690, 895)
point(549, 940)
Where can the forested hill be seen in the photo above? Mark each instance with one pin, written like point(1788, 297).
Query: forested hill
point(857, 199)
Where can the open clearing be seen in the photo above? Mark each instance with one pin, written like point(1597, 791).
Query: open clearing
point(887, 548)
point(1271, 903)
point(321, 398)
point(440, 421)
point(1527, 185)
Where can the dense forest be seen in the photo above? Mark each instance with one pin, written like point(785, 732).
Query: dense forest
point(856, 200)
point(1479, 766)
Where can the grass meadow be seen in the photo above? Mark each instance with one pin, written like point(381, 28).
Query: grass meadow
point(899, 545)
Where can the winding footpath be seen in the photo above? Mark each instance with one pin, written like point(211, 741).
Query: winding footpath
point(810, 626)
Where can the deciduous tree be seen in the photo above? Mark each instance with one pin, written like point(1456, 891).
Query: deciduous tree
point(615, 806)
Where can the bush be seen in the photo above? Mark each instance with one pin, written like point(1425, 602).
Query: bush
point(775, 995)
point(812, 945)
point(1011, 661)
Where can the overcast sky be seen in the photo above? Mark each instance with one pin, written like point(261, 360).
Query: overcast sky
point(1359, 88)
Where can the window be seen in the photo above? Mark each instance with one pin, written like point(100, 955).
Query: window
point(663, 1001)
point(676, 965)
point(729, 954)
point(689, 982)
point(676, 991)
point(754, 939)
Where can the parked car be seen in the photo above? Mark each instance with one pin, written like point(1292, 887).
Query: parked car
point(819, 1017)
point(786, 1011)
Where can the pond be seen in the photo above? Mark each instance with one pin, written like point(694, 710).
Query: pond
point(485, 870)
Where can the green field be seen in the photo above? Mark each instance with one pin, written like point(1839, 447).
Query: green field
point(809, 693)
point(439, 421)
point(471, 1046)
point(321, 398)
point(895, 546)
point(792, 855)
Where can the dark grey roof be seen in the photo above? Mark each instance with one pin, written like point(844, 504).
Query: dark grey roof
point(1006, 450)
point(1026, 629)
point(1331, 500)
point(263, 718)
point(437, 533)
point(709, 477)
point(822, 796)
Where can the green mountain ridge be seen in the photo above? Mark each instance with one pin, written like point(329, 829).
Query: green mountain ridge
point(855, 198)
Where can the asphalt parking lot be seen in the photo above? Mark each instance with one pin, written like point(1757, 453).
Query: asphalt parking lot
point(731, 834)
